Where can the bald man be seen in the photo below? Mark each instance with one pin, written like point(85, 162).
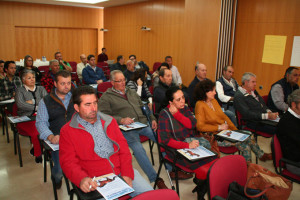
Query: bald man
point(200, 71)
point(81, 66)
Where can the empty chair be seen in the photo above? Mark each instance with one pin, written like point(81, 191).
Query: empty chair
point(163, 194)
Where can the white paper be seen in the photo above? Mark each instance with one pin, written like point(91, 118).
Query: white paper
point(275, 120)
point(7, 101)
point(233, 135)
point(295, 58)
point(54, 147)
point(111, 186)
point(197, 153)
point(17, 119)
point(135, 125)
point(94, 86)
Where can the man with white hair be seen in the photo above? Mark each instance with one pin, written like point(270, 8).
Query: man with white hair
point(288, 132)
point(251, 105)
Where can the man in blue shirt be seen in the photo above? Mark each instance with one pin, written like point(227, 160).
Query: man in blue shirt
point(54, 111)
point(93, 74)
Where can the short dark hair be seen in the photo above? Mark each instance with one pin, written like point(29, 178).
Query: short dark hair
point(103, 49)
point(90, 56)
point(169, 95)
point(168, 57)
point(202, 88)
point(119, 58)
point(83, 90)
point(162, 72)
point(133, 56)
point(226, 67)
point(6, 64)
point(140, 73)
point(56, 53)
point(164, 64)
point(63, 73)
point(2, 61)
point(289, 70)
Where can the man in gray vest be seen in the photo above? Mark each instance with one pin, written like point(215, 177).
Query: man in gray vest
point(54, 111)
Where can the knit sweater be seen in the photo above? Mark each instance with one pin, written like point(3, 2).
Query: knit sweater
point(208, 120)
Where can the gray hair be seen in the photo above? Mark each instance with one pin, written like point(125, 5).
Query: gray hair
point(294, 97)
point(247, 76)
point(53, 61)
point(129, 61)
point(25, 72)
point(113, 74)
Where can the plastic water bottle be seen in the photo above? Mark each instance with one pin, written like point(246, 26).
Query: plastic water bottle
point(44, 58)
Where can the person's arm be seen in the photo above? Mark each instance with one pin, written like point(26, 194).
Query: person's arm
point(203, 124)
point(79, 69)
point(101, 74)
point(66, 65)
point(42, 123)
point(4, 94)
point(22, 104)
point(179, 80)
point(220, 92)
point(105, 106)
point(87, 79)
point(218, 109)
point(68, 160)
point(278, 97)
point(166, 135)
point(186, 119)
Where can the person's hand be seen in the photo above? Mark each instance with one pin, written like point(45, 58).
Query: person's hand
point(61, 62)
point(29, 101)
point(128, 180)
point(99, 81)
point(272, 116)
point(150, 106)
point(172, 108)
point(223, 127)
point(194, 144)
point(154, 125)
point(139, 82)
point(54, 139)
point(126, 121)
point(85, 184)
point(231, 98)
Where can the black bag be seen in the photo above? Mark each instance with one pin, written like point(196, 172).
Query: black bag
point(236, 192)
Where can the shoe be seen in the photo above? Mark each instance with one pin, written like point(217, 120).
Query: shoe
point(58, 185)
point(161, 184)
point(39, 159)
point(181, 175)
point(31, 151)
point(265, 157)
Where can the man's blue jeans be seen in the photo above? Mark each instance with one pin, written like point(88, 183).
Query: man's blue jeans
point(133, 140)
point(56, 170)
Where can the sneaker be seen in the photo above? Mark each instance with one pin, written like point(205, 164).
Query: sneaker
point(181, 175)
point(39, 159)
point(161, 184)
point(31, 151)
point(265, 157)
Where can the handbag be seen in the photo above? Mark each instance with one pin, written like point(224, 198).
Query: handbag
point(273, 185)
point(236, 192)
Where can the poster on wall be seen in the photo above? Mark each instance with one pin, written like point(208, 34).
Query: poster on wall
point(274, 48)
point(295, 58)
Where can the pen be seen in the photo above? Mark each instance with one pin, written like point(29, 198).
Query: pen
point(133, 119)
point(91, 185)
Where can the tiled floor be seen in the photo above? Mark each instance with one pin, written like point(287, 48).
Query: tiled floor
point(27, 182)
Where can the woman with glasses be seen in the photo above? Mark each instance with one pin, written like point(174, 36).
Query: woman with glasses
point(27, 99)
point(28, 64)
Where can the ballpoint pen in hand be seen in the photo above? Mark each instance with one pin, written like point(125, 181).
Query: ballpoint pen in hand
point(91, 185)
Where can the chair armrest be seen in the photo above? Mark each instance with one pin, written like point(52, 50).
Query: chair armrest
point(288, 162)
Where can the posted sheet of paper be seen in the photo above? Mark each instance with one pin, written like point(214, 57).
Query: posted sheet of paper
point(295, 58)
point(274, 48)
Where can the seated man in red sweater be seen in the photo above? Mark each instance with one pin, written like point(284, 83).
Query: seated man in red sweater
point(91, 144)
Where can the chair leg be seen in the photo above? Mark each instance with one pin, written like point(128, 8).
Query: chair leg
point(158, 173)
point(176, 180)
point(67, 184)
point(19, 149)
point(45, 165)
point(150, 147)
point(15, 141)
point(5, 123)
point(54, 188)
point(201, 188)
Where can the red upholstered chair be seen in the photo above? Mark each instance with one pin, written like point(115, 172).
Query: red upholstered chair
point(165, 194)
point(279, 162)
point(265, 98)
point(44, 69)
point(156, 66)
point(228, 150)
point(74, 71)
point(224, 171)
point(101, 88)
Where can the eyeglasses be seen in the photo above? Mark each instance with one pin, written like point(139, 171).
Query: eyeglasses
point(120, 81)
point(30, 60)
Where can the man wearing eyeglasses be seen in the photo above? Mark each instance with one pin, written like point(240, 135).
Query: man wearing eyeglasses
point(125, 106)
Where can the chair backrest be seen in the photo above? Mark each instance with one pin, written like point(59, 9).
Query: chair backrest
point(101, 88)
point(239, 120)
point(73, 65)
point(265, 98)
point(102, 64)
point(166, 194)
point(276, 151)
point(156, 66)
point(14, 110)
point(44, 69)
point(224, 171)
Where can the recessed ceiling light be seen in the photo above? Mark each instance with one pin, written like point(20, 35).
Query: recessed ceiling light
point(84, 1)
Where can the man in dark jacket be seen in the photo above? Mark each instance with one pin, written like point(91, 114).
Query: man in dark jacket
point(119, 65)
point(288, 132)
point(93, 74)
point(277, 99)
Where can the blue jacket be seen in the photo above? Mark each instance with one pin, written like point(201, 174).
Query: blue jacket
point(90, 76)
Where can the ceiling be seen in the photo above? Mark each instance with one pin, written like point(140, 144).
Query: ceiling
point(106, 4)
